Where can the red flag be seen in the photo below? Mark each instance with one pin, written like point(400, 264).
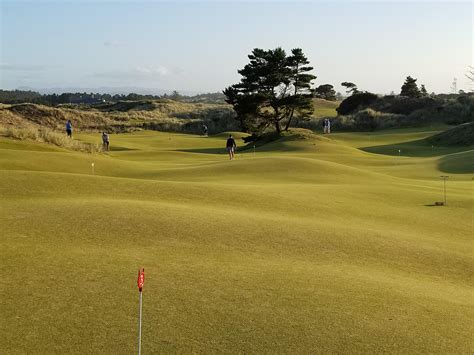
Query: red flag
point(141, 279)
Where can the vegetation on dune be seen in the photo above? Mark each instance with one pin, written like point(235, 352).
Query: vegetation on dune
point(128, 116)
point(413, 107)
point(46, 135)
point(55, 118)
point(366, 111)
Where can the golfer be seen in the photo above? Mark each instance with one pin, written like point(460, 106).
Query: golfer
point(105, 141)
point(230, 145)
point(69, 128)
point(327, 125)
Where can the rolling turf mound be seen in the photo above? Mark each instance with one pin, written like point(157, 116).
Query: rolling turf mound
point(325, 108)
point(452, 148)
point(462, 135)
point(307, 245)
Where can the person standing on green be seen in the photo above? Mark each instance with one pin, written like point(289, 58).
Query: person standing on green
point(230, 145)
point(105, 141)
point(69, 128)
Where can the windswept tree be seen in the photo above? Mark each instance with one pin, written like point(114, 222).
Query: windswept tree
point(410, 88)
point(470, 74)
point(175, 95)
point(274, 87)
point(325, 91)
point(351, 87)
point(423, 91)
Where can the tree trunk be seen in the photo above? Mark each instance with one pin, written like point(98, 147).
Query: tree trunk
point(289, 119)
point(277, 127)
point(296, 92)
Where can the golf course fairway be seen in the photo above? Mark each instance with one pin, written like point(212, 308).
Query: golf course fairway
point(310, 244)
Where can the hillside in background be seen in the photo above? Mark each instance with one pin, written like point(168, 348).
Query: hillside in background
point(325, 108)
point(365, 111)
point(163, 114)
point(120, 116)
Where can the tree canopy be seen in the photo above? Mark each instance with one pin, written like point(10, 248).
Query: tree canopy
point(410, 88)
point(325, 91)
point(423, 91)
point(351, 87)
point(470, 74)
point(273, 88)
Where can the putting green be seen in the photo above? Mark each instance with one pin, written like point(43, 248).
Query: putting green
point(308, 245)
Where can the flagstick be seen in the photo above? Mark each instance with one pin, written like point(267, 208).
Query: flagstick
point(140, 282)
point(140, 324)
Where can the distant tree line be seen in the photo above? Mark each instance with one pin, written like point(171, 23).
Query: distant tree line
point(20, 96)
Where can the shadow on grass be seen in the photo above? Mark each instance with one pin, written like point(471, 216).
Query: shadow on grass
point(418, 148)
point(204, 150)
point(120, 149)
point(453, 160)
point(460, 163)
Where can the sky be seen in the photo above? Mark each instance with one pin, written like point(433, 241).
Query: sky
point(198, 46)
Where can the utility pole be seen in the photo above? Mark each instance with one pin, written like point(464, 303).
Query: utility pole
point(454, 86)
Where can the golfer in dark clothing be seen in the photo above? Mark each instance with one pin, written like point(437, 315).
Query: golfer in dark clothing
point(105, 141)
point(231, 147)
point(69, 128)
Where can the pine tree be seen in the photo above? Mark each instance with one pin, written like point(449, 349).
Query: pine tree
point(273, 88)
point(325, 91)
point(423, 91)
point(351, 87)
point(409, 88)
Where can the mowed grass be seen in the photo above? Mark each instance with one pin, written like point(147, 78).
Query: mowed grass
point(305, 246)
point(325, 108)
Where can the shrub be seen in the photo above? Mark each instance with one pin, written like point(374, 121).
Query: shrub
point(355, 102)
point(366, 120)
point(405, 105)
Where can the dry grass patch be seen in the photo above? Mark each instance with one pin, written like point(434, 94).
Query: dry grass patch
point(45, 135)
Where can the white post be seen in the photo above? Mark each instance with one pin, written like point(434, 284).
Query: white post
point(92, 168)
point(140, 324)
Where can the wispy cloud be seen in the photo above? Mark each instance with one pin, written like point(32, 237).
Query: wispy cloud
point(22, 67)
point(157, 70)
point(140, 72)
point(113, 44)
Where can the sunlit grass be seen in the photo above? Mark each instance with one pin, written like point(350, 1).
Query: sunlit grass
point(307, 245)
